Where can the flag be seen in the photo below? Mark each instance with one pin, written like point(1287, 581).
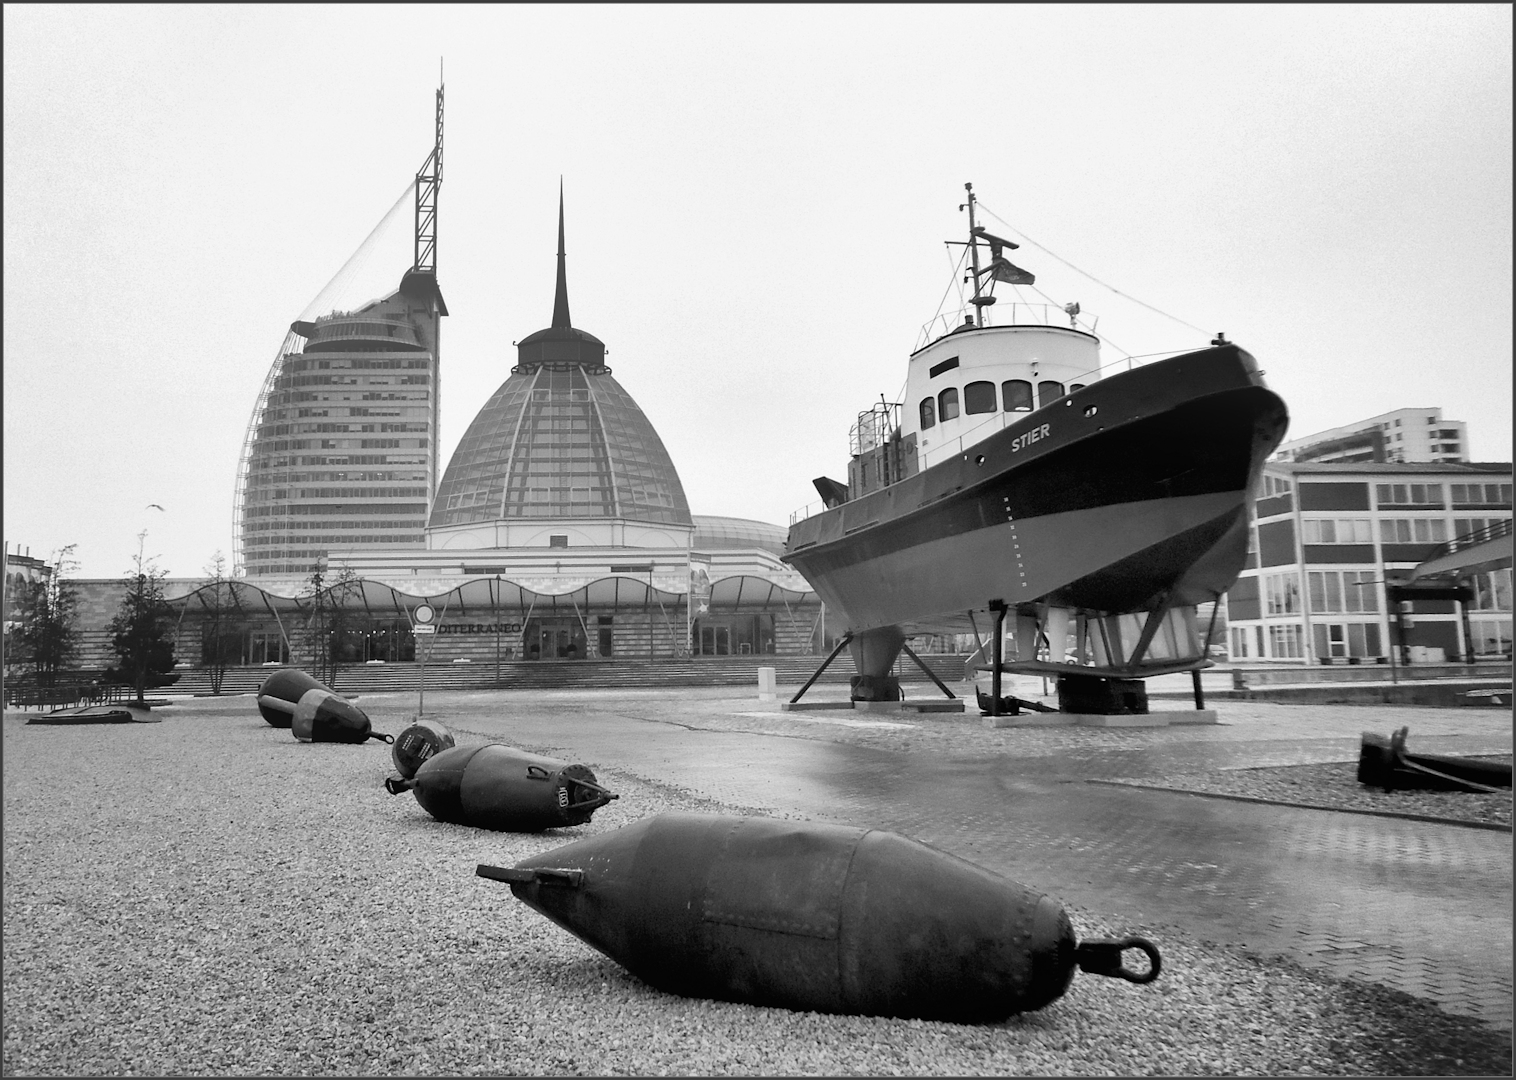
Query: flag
point(1008, 272)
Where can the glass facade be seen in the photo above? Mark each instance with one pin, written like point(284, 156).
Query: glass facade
point(342, 451)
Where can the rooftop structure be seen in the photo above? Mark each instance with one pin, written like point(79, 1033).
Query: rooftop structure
point(1405, 435)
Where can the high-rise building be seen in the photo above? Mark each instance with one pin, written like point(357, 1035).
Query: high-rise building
point(1405, 435)
point(342, 447)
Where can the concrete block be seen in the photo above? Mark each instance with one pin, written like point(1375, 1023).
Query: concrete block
point(934, 705)
point(877, 706)
point(1027, 720)
point(766, 683)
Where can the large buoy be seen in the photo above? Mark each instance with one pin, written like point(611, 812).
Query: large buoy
point(813, 917)
point(290, 698)
point(417, 743)
point(499, 787)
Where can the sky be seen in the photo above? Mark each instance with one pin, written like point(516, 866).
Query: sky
point(757, 201)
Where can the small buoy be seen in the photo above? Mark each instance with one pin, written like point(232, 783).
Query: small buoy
point(417, 743)
point(499, 787)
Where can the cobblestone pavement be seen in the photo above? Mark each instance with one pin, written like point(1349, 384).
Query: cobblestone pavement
point(1418, 906)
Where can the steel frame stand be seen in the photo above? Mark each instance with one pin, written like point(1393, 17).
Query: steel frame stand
point(929, 672)
point(846, 638)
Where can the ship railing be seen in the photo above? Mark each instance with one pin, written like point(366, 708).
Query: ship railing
point(1020, 314)
point(808, 510)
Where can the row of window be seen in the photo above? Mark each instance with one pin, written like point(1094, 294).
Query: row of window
point(301, 363)
point(1391, 530)
point(979, 397)
point(363, 493)
point(1343, 590)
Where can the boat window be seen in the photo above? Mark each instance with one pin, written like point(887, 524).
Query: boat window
point(1017, 394)
point(979, 397)
point(947, 403)
point(1075, 386)
point(1048, 390)
point(928, 413)
point(947, 365)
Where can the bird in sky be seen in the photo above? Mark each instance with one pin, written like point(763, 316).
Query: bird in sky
point(155, 506)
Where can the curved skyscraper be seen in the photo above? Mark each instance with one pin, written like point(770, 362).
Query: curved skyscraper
point(342, 447)
point(560, 454)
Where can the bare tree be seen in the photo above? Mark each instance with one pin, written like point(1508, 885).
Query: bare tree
point(46, 638)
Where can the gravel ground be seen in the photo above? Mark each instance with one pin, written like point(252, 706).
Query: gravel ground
point(207, 896)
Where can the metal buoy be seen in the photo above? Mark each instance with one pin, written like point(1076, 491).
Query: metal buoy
point(814, 917)
point(499, 787)
point(290, 698)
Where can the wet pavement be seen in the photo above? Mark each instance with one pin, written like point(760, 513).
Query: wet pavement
point(1421, 907)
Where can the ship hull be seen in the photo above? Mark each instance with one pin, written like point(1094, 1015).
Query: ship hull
point(1131, 493)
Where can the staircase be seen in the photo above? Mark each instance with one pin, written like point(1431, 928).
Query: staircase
point(790, 671)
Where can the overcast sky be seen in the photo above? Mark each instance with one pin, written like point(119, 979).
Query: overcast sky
point(757, 201)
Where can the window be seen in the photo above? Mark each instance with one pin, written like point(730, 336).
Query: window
point(947, 403)
point(1075, 386)
point(1413, 530)
point(1332, 591)
point(1492, 591)
point(1283, 593)
point(979, 397)
point(1337, 531)
point(556, 540)
point(1284, 642)
point(1408, 494)
point(1017, 395)
point(947, 365)
point(1275, 485)
point(1047, 390)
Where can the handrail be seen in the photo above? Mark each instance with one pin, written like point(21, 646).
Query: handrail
point(1492, 531)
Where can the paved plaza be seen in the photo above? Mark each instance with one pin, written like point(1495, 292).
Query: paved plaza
point(1423, 907)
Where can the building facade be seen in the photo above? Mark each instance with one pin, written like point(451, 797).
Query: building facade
point(1325, 540)
point(342, 451)
point(1405, 435)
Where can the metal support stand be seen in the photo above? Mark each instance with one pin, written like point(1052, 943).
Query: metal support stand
point(929, 672)
point(997, 654)
point(1199, 694)
point(846, 638)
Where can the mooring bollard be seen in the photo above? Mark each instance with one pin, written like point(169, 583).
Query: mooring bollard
point(767, 684)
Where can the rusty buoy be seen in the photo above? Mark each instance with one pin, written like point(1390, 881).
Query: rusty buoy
point(499, 787)
point(814, 917)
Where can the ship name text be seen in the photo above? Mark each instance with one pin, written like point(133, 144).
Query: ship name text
point(1021, 442)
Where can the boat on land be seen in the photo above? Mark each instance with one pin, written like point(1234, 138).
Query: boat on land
point(1096, 508)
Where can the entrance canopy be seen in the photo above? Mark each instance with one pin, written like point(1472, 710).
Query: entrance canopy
point(382, 600)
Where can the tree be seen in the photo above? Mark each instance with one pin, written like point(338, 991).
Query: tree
point(45, 638)
point(142, 631)
point(221, 630)
point(331, 621)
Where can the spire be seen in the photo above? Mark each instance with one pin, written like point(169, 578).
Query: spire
point(561, 300)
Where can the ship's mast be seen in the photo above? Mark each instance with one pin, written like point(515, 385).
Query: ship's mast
point(974, 256)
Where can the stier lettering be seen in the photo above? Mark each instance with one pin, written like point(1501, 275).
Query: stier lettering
point(1021, 442)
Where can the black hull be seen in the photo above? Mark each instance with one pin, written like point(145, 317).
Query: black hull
point(1136, 493)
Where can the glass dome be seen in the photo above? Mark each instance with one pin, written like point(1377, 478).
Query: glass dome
point(736, 534)
point(560, 439)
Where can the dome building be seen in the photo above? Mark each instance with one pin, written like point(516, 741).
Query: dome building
point(560, 450)
point(561, 531)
